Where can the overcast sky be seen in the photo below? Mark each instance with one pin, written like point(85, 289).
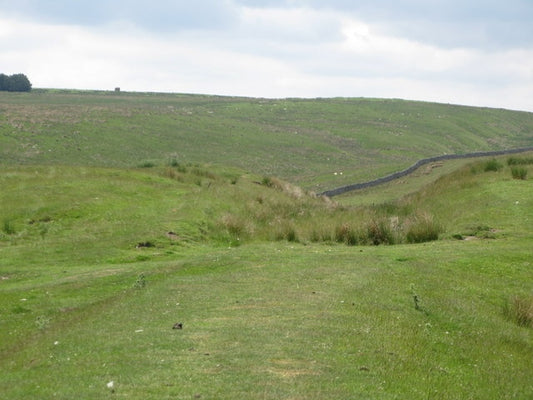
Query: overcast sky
point(475, 52)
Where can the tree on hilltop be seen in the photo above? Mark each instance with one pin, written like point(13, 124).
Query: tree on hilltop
point(15, 83)
point(3, 81)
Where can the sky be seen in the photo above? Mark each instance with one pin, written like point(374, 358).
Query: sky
point(476, 52)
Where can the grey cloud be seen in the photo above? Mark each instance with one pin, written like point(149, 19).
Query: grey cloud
point(490, 24)
point(159, 15)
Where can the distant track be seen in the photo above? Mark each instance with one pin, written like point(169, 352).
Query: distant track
point(415, 166)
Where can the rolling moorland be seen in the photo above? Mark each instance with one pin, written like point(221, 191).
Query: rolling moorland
point(125, 214)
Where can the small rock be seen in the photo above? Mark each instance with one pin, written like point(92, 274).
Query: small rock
point(178, 325)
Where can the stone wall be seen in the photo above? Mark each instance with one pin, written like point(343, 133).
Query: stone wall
point(415, 166)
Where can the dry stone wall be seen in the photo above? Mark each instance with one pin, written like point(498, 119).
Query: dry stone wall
point(415, 166)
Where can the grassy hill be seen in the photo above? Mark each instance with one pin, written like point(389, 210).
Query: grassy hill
point(420, 288)
point(317, 144)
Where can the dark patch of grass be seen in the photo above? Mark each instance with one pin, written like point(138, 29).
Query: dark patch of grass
point(147, 164)
point(146, 244)
point(140, 282)
point(20, 310)
point(8, 228)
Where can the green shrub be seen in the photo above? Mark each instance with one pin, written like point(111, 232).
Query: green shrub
point(519, 172)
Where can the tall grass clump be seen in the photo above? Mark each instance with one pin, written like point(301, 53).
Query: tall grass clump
point(423, 228)
point(519, 172)
point(519, 161)
point(8, 228)
point(379, 231)
point(286, 232)
point(492, 166)
point(234, 225)
point(344, 233)
point(520, 310)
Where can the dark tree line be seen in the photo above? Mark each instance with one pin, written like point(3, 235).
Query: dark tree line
point(15, 83)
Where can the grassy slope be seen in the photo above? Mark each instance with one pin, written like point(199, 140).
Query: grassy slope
point(303, 141)
point(268, 319)
point(262, 318)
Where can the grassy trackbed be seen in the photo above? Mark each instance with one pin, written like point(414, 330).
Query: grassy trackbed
point(98, 264)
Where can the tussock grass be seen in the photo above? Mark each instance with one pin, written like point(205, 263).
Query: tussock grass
point(347, 234)
point(520, 310)
point(8, 227)
point(422, 228)
point(492, 165)
point(519, 173)
point(519, 160)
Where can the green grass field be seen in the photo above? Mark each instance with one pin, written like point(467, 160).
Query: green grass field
point(281, 295)
point(308, 142)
